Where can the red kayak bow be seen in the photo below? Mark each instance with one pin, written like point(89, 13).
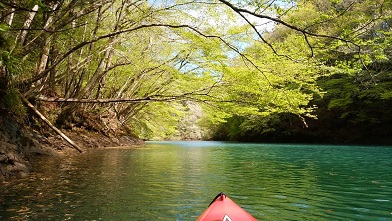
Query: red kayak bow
point(222, 208)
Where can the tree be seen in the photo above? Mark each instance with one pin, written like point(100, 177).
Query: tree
point(354, 58)
point(124, 57)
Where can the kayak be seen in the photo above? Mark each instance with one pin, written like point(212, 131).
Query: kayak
point(222, 208)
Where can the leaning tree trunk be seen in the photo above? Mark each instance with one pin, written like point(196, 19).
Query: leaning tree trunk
point(96, 82)
point(43, 118)
point(22, 35)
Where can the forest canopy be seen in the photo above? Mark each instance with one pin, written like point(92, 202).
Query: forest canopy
point(265, 70)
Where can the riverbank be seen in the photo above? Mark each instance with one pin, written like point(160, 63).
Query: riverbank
point(20, 143)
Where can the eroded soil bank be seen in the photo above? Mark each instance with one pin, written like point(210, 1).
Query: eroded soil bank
point(19, 144)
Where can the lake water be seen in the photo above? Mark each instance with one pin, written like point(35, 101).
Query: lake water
point(177, 181)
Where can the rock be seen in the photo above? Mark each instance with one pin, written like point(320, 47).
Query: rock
point(15, 147)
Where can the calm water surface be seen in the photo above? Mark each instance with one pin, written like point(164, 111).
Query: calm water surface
point(177, 180)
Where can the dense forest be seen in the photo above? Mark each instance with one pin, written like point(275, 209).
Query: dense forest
point(254, 70)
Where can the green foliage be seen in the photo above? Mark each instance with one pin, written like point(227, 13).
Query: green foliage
point(11, 65)
point(353, 81)
point(157, 121)
point(11, 102)
point(240, 82)
point(3, 28)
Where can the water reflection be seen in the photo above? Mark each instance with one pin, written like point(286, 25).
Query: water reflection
point(177, 180)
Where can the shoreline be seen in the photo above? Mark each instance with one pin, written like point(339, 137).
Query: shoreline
point(19, 144)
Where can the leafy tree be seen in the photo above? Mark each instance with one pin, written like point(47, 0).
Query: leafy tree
point(131, 58)
point(356, 93)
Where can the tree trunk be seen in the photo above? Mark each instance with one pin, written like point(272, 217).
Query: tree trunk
point(26, 26)
point(47, 44)
point(11, 17)
point(43, 118)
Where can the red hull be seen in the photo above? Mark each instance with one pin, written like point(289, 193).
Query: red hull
point(224, 209)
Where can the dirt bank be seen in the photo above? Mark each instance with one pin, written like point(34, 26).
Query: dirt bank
point(18, 144)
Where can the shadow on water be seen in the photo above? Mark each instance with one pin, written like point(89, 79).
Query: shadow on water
point(177, 180)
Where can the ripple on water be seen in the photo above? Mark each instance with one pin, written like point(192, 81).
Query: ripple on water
point(177, 180)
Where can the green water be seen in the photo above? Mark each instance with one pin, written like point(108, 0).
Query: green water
point(177, 180)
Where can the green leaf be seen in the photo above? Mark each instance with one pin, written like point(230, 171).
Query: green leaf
point(3, 27)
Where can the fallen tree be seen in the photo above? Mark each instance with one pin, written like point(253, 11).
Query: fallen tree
point(44, 119)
